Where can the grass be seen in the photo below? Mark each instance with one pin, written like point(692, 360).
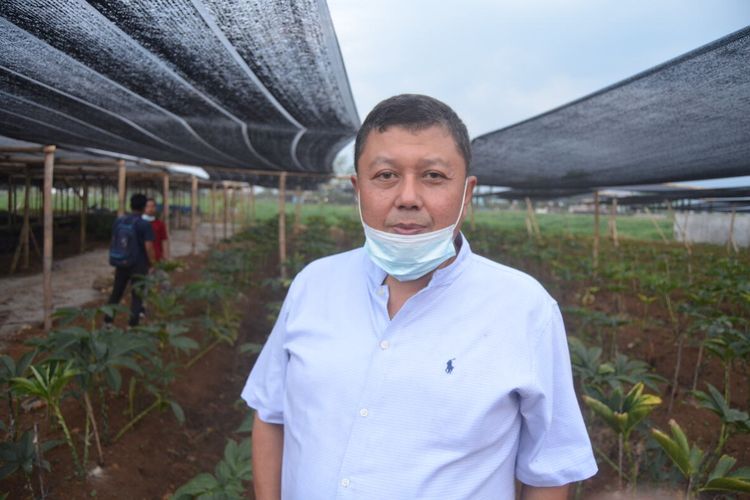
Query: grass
point(636, 227)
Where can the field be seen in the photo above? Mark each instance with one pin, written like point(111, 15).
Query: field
point(658, 335)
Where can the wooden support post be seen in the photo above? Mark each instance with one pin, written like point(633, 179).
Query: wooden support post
point(213, 212)
point(731, 243)
point(84, 213)
point(121, 187)
point(49, 164)
point(472, 220)
point(9, 222)
point(297, 210)
point(165, 200)
point(532, 226)
point(233, 212)
point(252, 204)
point(26, 231)
point(226, 212)
point(656, 224)
point(613, 223)
point(23, 238)
point(595, 260)
point(282, 225)
point(193, 213)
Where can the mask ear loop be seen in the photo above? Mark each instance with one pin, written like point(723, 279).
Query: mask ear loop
point(463, 200)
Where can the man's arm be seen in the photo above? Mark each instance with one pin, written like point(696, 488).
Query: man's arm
point(150, 252)
point(268, 445)
point(540, 493)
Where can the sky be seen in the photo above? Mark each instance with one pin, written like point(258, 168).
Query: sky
point(499, 62)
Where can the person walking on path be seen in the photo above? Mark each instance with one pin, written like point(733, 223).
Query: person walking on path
point(131, 253)
point(161, 239)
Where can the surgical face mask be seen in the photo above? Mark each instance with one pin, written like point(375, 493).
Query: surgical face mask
point(149, 218)
point(407, 257)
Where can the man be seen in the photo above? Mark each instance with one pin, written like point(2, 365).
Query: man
point(161, 240)
point(131, 252)
point(413, 368)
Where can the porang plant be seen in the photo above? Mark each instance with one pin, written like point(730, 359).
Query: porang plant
point(622, 413)
point(697, 468)
point(47, 382)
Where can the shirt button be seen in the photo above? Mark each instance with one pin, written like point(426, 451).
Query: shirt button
point(345, 482)
point(384, 344)
point(363, 412)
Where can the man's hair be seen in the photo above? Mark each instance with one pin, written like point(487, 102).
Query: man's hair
point(414, 112)
point(138, 202)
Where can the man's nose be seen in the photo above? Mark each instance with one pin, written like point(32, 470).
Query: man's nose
point(408, 196)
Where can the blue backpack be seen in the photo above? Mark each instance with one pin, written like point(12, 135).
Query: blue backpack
point(123, 250)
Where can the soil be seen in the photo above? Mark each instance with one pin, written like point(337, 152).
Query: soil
point(156, 457)
point(159, 455)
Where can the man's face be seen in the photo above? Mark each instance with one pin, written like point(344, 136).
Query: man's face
point(411, 182)
point(150, 208)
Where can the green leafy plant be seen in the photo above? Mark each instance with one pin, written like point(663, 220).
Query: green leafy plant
point(622, 413)
point(47, 383)
point(10, 369)
point(227, 480)
point(23, 455)
point(690, 460)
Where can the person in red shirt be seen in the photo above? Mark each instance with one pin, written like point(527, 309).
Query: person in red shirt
point(161, 240)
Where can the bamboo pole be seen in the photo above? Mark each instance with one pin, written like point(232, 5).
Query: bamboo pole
point(252, 204)
point(532, 226)
point(471, 212)
point(84, 213)
point(233, 211)
point(14, 197)
point(595, 261)
point(49, 165)
point(26, 222)
point(121, 187)
point(731, 243)
point(213, 212)
point(10, 201)
point(656, 224)
point(226, 211)
point(165, 200)
point(23, 238)
point(297, 210)
point(193, 212)
point(282, 225)
point(613, 223)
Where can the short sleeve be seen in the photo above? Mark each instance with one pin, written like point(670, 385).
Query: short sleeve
point(264, 389)
point(554, 447)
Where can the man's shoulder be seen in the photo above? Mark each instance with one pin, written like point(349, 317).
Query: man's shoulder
point(489, 275)
point(332, 267)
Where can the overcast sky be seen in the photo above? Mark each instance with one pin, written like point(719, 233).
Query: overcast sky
point(499, 62)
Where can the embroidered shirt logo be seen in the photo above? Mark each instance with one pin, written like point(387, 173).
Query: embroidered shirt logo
point(449, 366)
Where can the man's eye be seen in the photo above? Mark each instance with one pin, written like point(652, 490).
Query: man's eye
point(435, 175)
point(385, 175)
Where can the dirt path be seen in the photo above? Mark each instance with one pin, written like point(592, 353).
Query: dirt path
point(73, 282)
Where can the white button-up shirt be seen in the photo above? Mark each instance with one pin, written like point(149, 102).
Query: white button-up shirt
point(468, 387)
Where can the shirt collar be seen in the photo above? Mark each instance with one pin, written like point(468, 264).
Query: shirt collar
point(442, 276)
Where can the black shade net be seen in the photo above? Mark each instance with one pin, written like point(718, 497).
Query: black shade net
point(686, 119)
point(242, 83)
